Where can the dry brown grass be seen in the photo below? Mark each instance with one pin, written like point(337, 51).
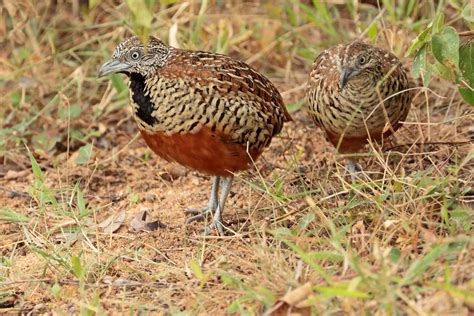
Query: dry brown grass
point(397, 242)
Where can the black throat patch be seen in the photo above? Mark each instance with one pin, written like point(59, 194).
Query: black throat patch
point(145, 105)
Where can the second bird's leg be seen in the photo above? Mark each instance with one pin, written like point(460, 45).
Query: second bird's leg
point(353, 168)
point(217, 219)
point(200, 213)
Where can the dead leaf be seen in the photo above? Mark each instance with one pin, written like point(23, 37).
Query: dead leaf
point(291, 303)
point(143, 222)
point(112, 223)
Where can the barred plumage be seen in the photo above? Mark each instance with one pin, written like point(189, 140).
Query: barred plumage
point(356, 91)
point(203, 110)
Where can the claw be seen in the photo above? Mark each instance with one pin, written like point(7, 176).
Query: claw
point(214, 225)
point(197, 218)
point(197, 211)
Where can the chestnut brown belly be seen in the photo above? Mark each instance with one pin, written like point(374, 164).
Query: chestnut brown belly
point(352, 144)
point(203, 151)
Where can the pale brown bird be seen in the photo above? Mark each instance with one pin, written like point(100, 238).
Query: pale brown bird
point(357, 92)
point(206, 111)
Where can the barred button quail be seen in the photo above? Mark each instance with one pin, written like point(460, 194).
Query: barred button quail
point(356, 92)
point(205, 111)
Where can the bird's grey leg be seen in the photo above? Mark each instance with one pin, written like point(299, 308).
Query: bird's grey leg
point(353, 168)
point(217, 220)
point(200, 213)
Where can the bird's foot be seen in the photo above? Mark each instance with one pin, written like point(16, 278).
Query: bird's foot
point(216, 224)
point(203, 213)
point(200, 213)
point(214, 207)
point(352, 168)
point(197, 210)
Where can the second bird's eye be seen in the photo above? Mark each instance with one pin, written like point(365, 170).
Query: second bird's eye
point(135, 55)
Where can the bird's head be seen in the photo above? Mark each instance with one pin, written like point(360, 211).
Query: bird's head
point(131, 56)
point(359, 60)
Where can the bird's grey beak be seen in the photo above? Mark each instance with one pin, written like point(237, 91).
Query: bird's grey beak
point(346, 74)
point(113, 66)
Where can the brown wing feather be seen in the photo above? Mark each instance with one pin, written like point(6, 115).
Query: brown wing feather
point(231, 73)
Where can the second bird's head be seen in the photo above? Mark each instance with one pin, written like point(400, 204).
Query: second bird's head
point(358, 61)
point(131, 56)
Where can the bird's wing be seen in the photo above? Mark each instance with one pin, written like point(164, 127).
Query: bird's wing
point(228, 74)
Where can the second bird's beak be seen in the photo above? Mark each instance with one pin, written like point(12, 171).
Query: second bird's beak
point(346, 74)
point(113, 66)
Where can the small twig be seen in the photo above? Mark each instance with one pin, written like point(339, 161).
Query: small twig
point(26, 195)
point(430, 143)
point(115, 155)
point(74, 282)
point(466, 33)
point(14, 193)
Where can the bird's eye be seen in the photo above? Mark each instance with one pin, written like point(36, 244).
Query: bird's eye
point(362, 60)
point(135, 55)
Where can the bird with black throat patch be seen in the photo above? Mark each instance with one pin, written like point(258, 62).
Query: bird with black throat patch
point(357, 92)
point(206, 111)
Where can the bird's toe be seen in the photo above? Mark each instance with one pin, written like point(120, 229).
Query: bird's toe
point(197, 211)
point(217, 225)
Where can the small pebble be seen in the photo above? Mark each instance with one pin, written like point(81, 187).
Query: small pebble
point(150, 197)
